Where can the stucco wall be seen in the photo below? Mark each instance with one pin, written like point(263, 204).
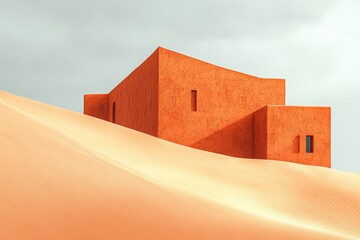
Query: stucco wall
point(226, 100)
point(136, 98)
point(287, 128)
point(96, 105)
point(230, 115)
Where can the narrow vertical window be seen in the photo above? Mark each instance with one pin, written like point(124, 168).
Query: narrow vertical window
point(296, 144)
point(193, 100)
point(309, 144)
point(113, 112)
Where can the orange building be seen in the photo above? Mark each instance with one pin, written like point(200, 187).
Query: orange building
point(197, 104)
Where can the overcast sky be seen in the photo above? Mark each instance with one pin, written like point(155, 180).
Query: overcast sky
point(57, 51)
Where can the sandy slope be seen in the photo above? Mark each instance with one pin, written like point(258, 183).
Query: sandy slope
point(64, 175)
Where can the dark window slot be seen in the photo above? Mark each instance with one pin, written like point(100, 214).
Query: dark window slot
point(113, 112)
point(193, 100)
point(309, 144)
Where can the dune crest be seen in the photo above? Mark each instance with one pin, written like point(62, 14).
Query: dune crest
point(64, 175)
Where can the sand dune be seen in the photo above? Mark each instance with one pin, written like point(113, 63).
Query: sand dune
point(64, 175)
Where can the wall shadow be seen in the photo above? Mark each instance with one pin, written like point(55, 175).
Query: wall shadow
point(235, 140)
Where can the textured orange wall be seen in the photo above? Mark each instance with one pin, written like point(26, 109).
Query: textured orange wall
point(287, 128)
point(136, 98)
point(231, 117)
point(226, 100)
point(96, 105)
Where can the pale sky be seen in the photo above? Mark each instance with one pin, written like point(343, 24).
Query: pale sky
point(57, 51)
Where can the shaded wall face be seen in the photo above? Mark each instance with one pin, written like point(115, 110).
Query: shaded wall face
point(96, 105)
point(260, 133)
point(134, 102)
point(222, 121)
point(287, 131)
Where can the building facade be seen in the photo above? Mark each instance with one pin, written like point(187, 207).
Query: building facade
point(200, 105)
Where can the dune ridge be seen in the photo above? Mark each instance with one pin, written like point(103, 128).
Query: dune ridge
point(65, 175)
